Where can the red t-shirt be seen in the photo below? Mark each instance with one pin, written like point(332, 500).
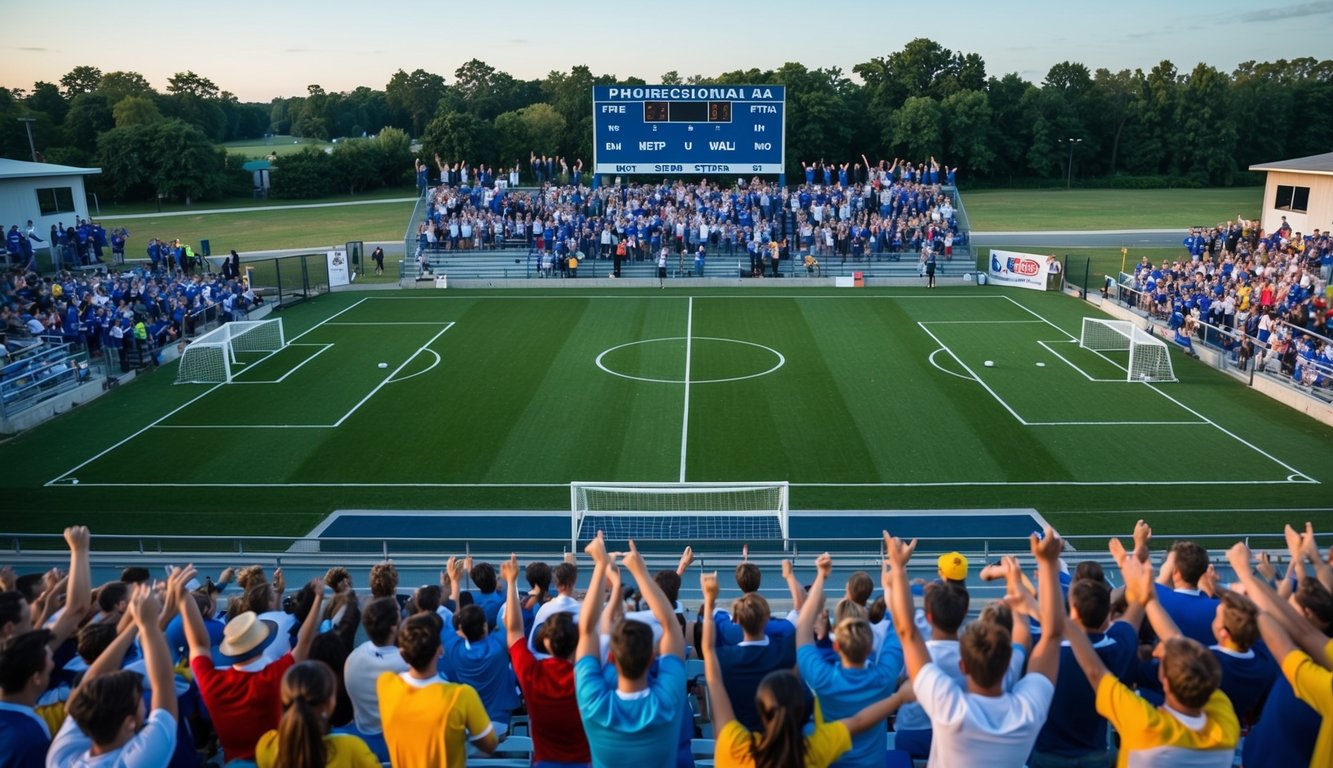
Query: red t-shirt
point(243, 705)
point(553, 713)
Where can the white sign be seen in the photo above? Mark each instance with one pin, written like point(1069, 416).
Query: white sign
point(1024, 270)
point(339, 271)
point(441, 281)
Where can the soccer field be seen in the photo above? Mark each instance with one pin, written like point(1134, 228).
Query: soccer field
point(869, 399)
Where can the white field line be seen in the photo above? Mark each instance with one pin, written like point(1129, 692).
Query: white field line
point(323, 348)
point(974, 375)
point(685, 417)
point(1071, 363)
point(169, 414)
point(958, 484)
point(390, 377)
point(1039, 317)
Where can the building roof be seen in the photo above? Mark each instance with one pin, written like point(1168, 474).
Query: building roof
point(1320, 164)
point(22, 169)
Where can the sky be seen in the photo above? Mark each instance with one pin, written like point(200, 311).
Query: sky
point(262, 50)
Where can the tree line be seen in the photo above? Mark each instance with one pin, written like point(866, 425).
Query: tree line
point(1156, 127)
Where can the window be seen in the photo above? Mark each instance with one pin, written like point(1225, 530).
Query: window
point(1292, 198)
point(54, 200)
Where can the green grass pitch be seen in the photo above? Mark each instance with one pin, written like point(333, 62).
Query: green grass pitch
point(868, 399)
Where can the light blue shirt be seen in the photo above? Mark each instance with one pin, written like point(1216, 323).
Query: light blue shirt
point(844, 691)
point(151, 747)
point(638, 729)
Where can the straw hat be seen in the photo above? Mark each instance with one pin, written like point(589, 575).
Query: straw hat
point(246, 635)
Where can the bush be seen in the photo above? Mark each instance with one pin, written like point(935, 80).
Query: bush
point(303, 175)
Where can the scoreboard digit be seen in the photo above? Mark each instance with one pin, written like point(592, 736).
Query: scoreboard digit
point(704, 129)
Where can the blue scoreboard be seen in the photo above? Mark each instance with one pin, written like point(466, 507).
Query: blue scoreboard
point(688, 129)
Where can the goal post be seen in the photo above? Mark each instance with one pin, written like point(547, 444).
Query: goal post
point(212, 357)
point(679, 512)
point(1149, 357)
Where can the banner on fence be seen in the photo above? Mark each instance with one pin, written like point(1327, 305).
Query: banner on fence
point(339, 272)
point(1024, 270)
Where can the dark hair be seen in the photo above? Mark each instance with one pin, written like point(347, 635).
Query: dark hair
point(419, 639)
point(1191, 561)
point(101, 705)
point(1316, 600)
point(306, 687)
point(780, 702)
point(92, 639)
point(471, 621)
point(21, 657)
point(859, 587)
point(1089, 569)
point(539, 577)
point(111, 594)
point(669, 583)
point(380, 619)
point(1093, 601)
point(748, 577)
point(875, 612)
point(985, 649)
point(1191, 670)
point(11, 607)
point(562, 634)
point(565, 575)
point(946, 605)
point(135, 575)
point(428, 598)
point(483, 575)
point(336, 575)
point(29, 585)
point(632, 647)
point(258, 598)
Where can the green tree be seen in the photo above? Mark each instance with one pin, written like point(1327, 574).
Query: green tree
point(458, 136)
point(82, 79)
point(482, 89)
point(413, 99)
point(46, 98)
point(188, 83)
point(355, 166)
point(543, 127)
point(1207, 142)
point(117, 85)
point(967, 124)
point(89, 116)
point(917, 128)
point(187, 165)
point(126, 163)
point(303, 175)
point(135, 110)
point(394, 156)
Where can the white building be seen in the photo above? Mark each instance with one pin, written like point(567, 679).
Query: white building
point(45, 193)
point(1300, 190)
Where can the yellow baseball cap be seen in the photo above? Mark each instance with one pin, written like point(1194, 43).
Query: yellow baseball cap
point(953, 566)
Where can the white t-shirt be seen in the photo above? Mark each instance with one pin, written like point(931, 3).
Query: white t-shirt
point(362, 669)
point(151, 747)
point(966, 725)
point(946, 654)
point(557, 604)
point(283, 642)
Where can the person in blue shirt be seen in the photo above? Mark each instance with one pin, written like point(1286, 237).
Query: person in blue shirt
point(487, 596)
point(747, 662)
point(1178, 591)
point(636, 721)
point(479, 658)
point(25, 672)
point(852, 680)
point(748, 578)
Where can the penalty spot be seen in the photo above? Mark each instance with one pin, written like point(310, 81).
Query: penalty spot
point(384, 365)
point(1041, 365)
point(990, 363)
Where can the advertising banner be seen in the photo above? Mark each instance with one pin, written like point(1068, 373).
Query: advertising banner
point(1024, 270)
point(339, 272)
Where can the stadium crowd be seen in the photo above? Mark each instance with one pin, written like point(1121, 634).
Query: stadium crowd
point(1183, 669)
point(127, 311)
point(1263, 294)
point(848, 211)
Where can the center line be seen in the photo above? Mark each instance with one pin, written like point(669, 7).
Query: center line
point(685, 419)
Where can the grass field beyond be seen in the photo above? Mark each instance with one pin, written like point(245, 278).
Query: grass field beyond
point(876, 399)
point(1012, 210)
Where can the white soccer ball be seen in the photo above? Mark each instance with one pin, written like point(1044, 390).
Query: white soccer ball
point(1041, 365)
point(384, 365)
point(75, 481)
point(990, 363)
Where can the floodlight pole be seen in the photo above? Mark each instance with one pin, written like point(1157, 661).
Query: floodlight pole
point(1069, 179)
point(27, 123)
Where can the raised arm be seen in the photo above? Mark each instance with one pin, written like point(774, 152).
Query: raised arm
point(1310, 550)
point(1020, 602)
point(196, 635)
point(310, 627)
point(589, 643)
point(1142, 535)
point(513, 618)
point(455, 569)
point(1302, 633)
point(157, 659)
point(1139, 590)
point(1133, 614)
point(719, 702)
point(814, 602)
point(798, 596)
point(673, 641)
point(1046, 655)
point(78, 591)
point(615, 604)
point(899, 590)
point(686, 557)
point(111, 657)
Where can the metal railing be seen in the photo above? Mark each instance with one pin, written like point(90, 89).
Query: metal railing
point(41, 375)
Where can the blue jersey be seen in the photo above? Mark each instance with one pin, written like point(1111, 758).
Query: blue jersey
point(1073, 726)
point(641, 730)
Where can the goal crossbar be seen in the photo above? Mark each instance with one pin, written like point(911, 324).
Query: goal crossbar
point(1149, 357)
point(210, 358)
point(671, 511)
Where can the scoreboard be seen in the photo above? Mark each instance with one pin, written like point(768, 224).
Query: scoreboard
point(689, 129)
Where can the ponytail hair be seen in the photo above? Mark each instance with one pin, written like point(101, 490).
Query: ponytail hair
point(780, 701)
point(307, 687)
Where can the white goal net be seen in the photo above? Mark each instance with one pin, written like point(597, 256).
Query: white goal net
point(213, 357)
point(1149, 358)
point(679, 512)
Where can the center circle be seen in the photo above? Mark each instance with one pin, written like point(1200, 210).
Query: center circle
point(749, 356)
